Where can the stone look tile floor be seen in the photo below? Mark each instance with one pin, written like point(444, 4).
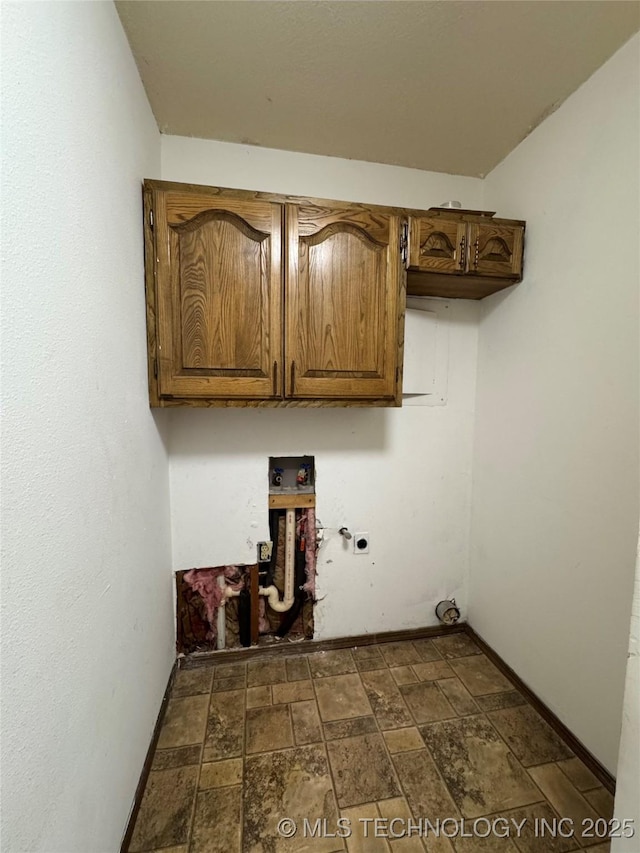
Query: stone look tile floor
point(405, 730)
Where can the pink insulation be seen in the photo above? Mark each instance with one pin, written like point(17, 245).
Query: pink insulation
point(308, 527)
point(264, 626)
point(205, 583)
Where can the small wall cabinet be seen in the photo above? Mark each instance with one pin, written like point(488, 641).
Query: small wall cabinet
point(256, 299)
point(459, 253)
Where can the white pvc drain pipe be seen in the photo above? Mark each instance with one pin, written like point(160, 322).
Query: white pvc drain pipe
point(272, 593)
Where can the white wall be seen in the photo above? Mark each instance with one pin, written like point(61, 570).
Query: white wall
point(555, 498)
point(87, 623)
point(401, 475)
point(628, 775)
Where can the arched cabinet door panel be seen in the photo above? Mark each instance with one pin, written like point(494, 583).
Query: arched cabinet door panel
point(495, 250)
point(218, 277)
point(438, 245)
point(343, 301)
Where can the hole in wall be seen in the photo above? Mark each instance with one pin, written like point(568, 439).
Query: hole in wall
point(271, 601)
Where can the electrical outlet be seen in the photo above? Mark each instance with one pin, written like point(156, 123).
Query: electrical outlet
point(265, 550)
point(360, 543)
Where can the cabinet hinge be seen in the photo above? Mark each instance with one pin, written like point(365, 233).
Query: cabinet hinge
point(155, 368)
point(151, 218)
point(404, 243)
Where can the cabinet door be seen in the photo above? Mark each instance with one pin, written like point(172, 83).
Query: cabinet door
point(219, 300)
point(438, 245)
point(342, 283)
point(496, 250)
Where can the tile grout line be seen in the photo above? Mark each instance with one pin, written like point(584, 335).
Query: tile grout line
point(324, 746)
point(243, 753)
point(456, 716)
point(545, 799)
point(416, 725)
point(585, 790)
point(576, 747)
point(577, 837)
point(510, 811)
point(484, 714)
point(425, 747)
point(194, 809)
point(199, 773)
point(380, 732)
point(437, 769)
point(480, 713)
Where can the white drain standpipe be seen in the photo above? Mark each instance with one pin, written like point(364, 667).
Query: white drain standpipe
point(271, 592)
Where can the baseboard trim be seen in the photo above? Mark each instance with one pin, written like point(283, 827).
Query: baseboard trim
point(148, 761)
point(581, 751)
point(304, 647)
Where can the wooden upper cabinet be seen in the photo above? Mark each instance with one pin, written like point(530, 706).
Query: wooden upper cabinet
point(495, 250)
point(218, 278)
point(463, 253)
point(343, 297)
point(256, 299)
point(438, 245)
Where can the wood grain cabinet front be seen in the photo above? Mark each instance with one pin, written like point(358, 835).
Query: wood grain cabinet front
point(465, 254)
point(218, 289)
point(342, 297)
point(255, 299)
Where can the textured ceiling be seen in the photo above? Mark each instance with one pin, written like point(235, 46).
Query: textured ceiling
point(446, 86)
